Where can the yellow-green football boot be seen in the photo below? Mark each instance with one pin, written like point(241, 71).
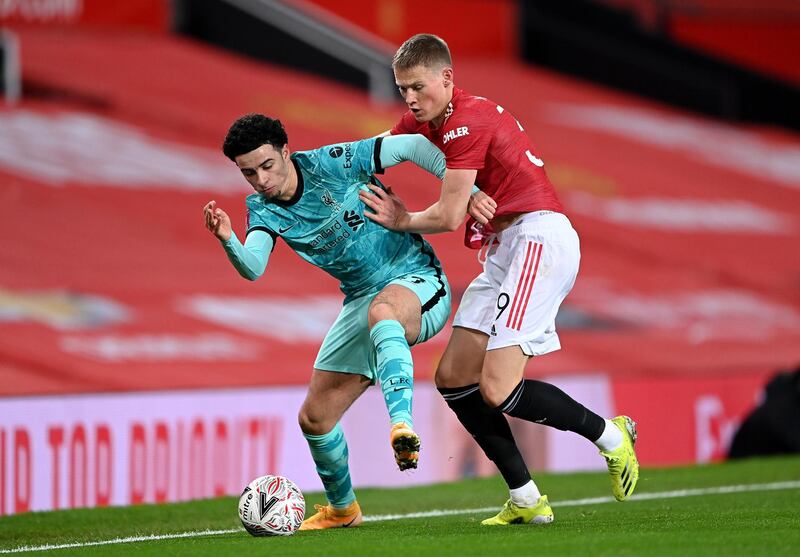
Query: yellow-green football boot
point(622, 464)
point(514, 514)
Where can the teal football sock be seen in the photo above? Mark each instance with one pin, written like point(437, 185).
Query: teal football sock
point(395, 369)
point(329, 452)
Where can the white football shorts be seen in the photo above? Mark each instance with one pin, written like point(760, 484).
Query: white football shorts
point(530, 268)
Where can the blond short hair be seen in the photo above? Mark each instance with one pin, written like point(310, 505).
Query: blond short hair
point(424, 50)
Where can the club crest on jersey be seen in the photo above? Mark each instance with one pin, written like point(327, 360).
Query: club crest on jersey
point(329, 201)
point(454, 133)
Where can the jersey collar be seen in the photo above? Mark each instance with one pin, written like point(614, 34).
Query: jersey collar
point(451, 105)
point(449, 110)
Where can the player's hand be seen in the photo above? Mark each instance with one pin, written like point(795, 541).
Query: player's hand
point(388, 210)
point(481, 207)
point(217, 221)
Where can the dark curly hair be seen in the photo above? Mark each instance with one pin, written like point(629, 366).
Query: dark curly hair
point(250, 132)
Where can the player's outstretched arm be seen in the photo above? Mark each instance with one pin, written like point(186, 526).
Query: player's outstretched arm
point(250, 259)
point(417, 149)
point(445, 215)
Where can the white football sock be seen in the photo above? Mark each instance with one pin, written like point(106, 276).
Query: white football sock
point(611, 438)
point(525, 496)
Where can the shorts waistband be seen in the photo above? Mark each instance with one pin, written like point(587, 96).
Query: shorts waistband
point(538, 218)
point(534, 215)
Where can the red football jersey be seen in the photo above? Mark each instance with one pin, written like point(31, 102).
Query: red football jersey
point(478, 134)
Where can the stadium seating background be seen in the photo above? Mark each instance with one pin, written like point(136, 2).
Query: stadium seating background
point(695, 225)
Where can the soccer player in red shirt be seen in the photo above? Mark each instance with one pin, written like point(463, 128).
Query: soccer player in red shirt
point(507, 314)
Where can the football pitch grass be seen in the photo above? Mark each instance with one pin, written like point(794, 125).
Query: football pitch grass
point(750, 507)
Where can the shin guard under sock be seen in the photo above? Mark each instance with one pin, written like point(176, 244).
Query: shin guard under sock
point(395, 369)
point(329, 452)
point(546, 404)
point(491, 431)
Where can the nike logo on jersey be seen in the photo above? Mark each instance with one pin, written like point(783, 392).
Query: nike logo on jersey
point(282, 229)
point(452, 134)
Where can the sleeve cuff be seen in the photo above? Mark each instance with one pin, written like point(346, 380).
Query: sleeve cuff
point(268, 231)
point(376, 155)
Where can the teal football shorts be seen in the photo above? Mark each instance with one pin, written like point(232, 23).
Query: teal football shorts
point(347, 347)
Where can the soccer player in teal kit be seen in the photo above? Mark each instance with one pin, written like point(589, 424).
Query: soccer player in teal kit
point(395, 291)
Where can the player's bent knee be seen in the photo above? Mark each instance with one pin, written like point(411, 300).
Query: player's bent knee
point(493, 395)
point(380, 311)
point(444, 378)
point(451, 373)
point(314, 423)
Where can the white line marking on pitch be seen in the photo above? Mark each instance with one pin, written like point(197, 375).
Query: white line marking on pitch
point(597, 500)
point(130, 539)
point(448, 512)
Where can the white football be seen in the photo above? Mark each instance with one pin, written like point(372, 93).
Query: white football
point(272, 506)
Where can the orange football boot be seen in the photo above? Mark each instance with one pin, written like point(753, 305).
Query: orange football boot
point(329, 517)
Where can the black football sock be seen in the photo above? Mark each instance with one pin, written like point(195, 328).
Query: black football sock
point(489, 427)
point(546, 404)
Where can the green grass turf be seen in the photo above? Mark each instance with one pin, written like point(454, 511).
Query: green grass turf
point(750, 523)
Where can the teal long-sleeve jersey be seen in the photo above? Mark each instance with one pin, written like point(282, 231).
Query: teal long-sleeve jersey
point(324, 221)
